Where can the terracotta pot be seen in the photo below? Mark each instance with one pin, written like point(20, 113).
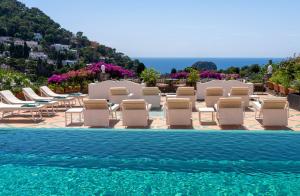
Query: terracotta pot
point(276, 87)
point(283, 90)
point(59, 91)
point(76, 89)
point(20, 95)
point(291, 90)
point(270, 85)
point(85, 90)
point(68, 89)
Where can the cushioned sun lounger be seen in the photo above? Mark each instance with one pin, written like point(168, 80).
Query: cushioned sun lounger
point(230, 111)
point(97, 111)
point(152, 96)
point(187, 92)
point(212, 95)
point(178, 111)
point(135, 112)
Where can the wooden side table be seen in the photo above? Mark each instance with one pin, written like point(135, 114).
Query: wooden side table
point(72, 111)
point(207, 110)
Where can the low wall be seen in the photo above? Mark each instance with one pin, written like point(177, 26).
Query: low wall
point(101, 90)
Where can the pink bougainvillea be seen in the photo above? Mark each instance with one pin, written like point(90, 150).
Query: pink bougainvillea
point(90, 72)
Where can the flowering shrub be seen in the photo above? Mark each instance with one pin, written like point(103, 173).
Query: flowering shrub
point(89, 73)
point(180, 75)
point(211, 74)
point(207, 74)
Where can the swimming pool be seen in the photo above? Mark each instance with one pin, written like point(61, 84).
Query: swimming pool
point(141, 162)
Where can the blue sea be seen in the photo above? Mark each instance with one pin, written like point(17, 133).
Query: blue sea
point(164, 65)
point(145, 162)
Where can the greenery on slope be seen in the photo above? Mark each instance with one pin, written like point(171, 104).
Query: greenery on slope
point(19, 21)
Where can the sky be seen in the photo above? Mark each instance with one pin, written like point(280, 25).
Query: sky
point(189, 28)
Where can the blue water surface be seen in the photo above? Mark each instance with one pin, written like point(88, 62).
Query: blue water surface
point(165, 65)
point(144, 162)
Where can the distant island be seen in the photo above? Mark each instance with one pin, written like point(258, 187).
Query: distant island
point(204, 65)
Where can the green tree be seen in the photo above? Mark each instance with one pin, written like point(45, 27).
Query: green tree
point(193, 77)
point(150, 76)
point(140, 68)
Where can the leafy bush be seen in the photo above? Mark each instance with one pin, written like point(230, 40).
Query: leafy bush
point(193, 77)
point(296, 85)
point(150, 76)
point(13, 80)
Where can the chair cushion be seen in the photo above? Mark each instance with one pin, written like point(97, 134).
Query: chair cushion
point(274, 103)
point(134, 104)
point(178, 103)
point(95, 104)
point(151, 91)
point(239, 91)
point(230, 102)
point(214, 91)
point(185, 91)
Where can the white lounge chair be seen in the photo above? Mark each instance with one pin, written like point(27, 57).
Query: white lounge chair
point(97, 111)
point(212, 95)
point(152, 96)
point(273, 111)
point(118, 94)
point(135, 112)
point(187, 92)
point(10, 98)
point(32, 108)
point(242, 92)
point(230, 111)
point(30, 95)
point(65, 99)
point(178, 111)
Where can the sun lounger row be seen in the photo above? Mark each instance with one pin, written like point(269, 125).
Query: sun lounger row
point(178, 112)
point(34, 102)
point(213, 94)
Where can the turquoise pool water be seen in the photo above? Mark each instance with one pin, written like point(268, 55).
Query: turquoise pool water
point(141, 162)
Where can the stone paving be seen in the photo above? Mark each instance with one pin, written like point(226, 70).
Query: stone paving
point(157, 121)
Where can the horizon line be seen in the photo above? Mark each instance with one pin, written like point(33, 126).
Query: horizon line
point(134, 57)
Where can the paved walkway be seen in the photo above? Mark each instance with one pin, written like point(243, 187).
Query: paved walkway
point(157, 121)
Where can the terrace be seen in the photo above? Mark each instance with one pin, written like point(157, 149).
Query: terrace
point(157, 120)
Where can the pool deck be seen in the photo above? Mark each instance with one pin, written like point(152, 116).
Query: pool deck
point(157, 121)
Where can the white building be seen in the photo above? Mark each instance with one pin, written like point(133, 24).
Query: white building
point(32, 44)
point(60, 47)
point(38, 37)
point(19, 42)
point(69, 62)
point(38, 55)
point(5, 39)
point(4, 66)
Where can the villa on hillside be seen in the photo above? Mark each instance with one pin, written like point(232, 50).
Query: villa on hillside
point(38, 55)
point(38, 37)
point(60, 47)
point(69, 62)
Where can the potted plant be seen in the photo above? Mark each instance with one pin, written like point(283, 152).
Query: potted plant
point(150, 76)
point(284, 86)
point(294, 98)
point(60, 90)
point(275, 81)
point(193, 78)
point(270, 85)
point(18, 92)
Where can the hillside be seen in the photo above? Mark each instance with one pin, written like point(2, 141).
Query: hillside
point(19, 21)
point(16, 20)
